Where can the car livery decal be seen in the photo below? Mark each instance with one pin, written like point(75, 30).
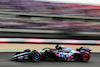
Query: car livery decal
point(63, 55)
point(74, 52)
point(41, 51)
point(84, 48)
point(65, 48)
point(21, 54)
point(20, 57)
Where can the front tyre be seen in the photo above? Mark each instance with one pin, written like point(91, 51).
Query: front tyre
point(85, 57)
point(36, 56)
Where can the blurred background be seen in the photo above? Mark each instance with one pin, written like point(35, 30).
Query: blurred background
point(49, 20)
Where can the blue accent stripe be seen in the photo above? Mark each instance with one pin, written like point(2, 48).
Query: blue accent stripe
point(41, 51)
point(21, 54)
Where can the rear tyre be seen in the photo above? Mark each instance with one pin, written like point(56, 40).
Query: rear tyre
point(36, 56)
point(84, 57)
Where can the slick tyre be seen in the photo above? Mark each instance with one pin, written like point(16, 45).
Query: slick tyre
point(36, 56)
point(84, 57)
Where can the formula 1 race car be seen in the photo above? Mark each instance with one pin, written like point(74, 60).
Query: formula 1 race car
point(58, 54)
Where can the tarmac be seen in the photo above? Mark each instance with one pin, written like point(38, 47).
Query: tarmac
point(5, 61)
point(7, 50)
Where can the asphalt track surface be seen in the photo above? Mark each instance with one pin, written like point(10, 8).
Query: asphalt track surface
point(5, 61)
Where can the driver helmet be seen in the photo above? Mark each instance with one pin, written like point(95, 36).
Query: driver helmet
point(59, 48)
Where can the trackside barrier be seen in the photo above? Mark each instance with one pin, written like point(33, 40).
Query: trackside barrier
point(50, 15)
point(50, 41)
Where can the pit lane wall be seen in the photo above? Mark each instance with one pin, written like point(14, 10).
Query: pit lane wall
point(49, 41)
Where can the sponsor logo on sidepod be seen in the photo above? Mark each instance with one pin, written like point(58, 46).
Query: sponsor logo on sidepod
point(64, 55)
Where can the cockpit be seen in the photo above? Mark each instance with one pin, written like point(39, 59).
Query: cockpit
point(62, 48)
